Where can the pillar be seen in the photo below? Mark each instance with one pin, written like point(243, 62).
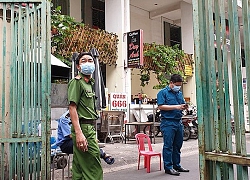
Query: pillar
point(189, 89)
point(117, 20)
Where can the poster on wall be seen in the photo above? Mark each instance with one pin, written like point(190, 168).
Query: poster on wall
point(221, 38)
point(245, 99)
point(135, 49)
point(119, 102)
point(245, 90)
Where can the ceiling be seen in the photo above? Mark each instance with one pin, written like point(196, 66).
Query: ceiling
point(169, 9)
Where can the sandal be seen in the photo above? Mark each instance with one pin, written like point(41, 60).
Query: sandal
point(109, 160)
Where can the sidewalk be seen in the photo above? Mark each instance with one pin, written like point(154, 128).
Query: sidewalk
point(126, 159)
point(126, 155)
point(190, 162)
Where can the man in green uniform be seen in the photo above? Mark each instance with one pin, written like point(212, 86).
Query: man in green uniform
point(86, 155)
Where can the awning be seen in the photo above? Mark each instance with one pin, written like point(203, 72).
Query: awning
point(57, 62)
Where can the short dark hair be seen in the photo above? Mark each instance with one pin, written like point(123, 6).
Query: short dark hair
point(176, 78)
point(81, 55)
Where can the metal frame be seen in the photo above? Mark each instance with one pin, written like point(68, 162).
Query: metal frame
point(220, 157)
point(112, 122)
point(25, 89)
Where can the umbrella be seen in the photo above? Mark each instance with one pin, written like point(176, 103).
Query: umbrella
point(99, 87)
point(74, 70)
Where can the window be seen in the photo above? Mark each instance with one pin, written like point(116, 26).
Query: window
point(98, 14)
point(64, 4)
point(172, 34)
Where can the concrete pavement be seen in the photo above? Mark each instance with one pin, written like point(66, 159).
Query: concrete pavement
point(126, 158)
point(190, 162)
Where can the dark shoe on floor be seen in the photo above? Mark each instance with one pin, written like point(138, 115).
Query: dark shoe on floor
point(109, 160)
point(181, 169)
point(172, 172)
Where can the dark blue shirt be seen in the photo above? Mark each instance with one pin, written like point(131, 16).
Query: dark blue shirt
point(168, 97)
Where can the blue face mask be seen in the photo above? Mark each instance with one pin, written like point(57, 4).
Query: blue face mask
point(87, 68)
point(176, 88)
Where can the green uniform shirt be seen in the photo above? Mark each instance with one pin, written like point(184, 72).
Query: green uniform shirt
point(80, 92)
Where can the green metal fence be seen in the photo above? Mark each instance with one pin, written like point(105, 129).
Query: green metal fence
point(24, 89)
point(222, 49)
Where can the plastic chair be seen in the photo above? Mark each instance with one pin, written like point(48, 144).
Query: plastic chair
point(140, 139)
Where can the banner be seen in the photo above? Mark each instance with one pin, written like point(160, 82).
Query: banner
point(135, 49)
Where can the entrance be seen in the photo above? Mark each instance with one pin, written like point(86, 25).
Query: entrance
point(221, 30)
point(24, 89)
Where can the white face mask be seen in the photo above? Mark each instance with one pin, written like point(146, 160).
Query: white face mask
point(176, 88)
point(87, 68)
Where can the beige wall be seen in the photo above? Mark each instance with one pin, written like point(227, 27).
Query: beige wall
point(189, 89)
point(139, 20)
point(152, 28)
point(148, 89)
point(116, 22)
point(75, 9)
point(152, 32)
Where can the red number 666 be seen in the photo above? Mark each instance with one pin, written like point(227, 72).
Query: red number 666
point(119, 104)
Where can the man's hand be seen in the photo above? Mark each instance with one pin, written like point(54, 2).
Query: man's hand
point(81, 142)
point(182, 106)
point(173, 107)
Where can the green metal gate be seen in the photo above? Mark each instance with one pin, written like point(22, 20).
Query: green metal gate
point(24, 89)
point(222, 49)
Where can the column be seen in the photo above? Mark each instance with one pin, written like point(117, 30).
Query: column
point(117, 20)
point(189, 89)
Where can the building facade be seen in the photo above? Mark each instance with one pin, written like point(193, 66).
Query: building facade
point(162, 22)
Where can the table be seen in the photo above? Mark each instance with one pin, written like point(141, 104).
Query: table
point(138, 125)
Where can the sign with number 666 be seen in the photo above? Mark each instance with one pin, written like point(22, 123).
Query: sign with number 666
point(118, 101)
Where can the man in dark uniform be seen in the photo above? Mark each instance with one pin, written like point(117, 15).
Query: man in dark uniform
point(171, 103)
point(86, 155)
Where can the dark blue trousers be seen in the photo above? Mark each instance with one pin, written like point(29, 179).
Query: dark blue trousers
point(67, 146)
point(173, 139)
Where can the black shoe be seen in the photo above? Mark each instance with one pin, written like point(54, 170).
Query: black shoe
point(181, 169)
point(172, 172)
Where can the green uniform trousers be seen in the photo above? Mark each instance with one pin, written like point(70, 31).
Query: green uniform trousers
point(86, 165)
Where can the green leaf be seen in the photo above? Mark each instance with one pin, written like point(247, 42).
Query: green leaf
point(165, 59)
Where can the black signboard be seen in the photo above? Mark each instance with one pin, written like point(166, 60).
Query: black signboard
point(135, 49)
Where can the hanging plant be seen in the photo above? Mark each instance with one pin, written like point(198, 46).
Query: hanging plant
point(61, 28)
point(145, 77)
point(69, 36)
point(163, 61)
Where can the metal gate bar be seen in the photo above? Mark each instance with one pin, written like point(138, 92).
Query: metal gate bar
point(25, 90)
point(246, 30)
point(220, 60)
